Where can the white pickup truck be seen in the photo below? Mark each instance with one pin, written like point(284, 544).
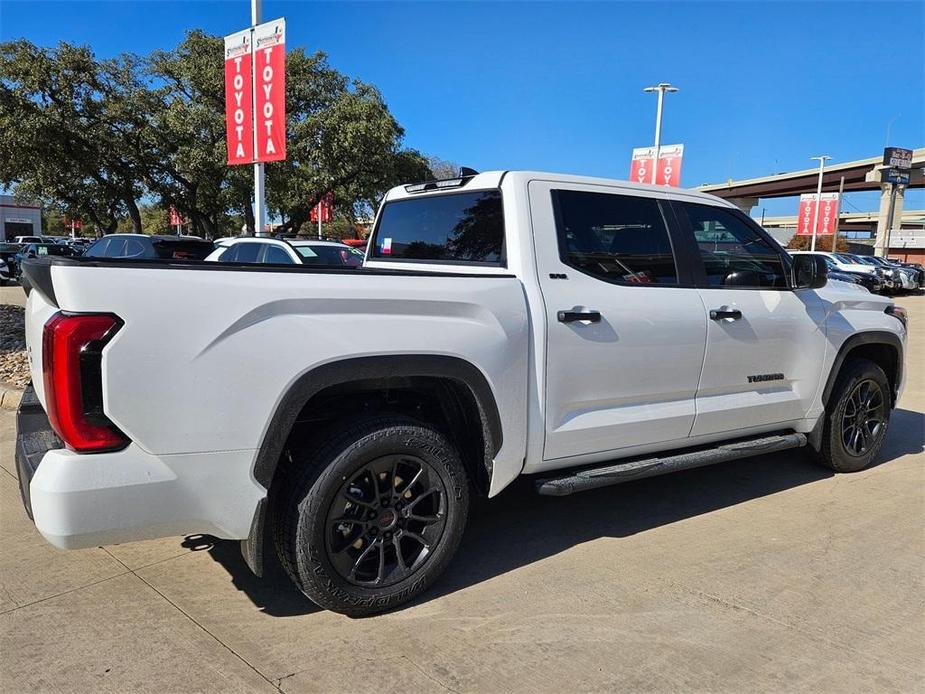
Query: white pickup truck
point(579, 330)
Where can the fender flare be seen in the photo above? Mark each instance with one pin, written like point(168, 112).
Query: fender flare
point(343, 371)
point(871, 337)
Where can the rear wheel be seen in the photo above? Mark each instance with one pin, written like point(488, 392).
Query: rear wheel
point(373, 516)
point(857, 417)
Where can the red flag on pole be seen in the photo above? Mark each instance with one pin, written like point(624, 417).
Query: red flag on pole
point(270, 90)
point(239, 104)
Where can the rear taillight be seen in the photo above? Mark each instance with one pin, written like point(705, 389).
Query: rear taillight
point(72, 349)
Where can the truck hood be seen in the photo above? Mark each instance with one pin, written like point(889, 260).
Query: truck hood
point(843, 294)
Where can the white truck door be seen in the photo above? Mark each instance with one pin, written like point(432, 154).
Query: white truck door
point(765, 342)
point(625, 335)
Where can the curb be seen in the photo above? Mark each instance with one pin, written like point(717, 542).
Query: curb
point(10, 396)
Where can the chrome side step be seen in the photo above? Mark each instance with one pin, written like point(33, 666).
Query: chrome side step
point(649, 467)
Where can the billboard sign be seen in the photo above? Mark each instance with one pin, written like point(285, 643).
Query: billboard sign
point(270, 90)
point(668, 170)
point(239, 95)
point(897, 158)
point(828, 214)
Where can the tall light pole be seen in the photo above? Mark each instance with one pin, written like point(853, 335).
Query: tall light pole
point(822, 159)
point(260, 209)
point(661, 88)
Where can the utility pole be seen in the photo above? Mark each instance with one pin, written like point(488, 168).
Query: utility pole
point(661, 88)
point(889, 219)
point(260, 210)
point(822, 159)
point(841, 193)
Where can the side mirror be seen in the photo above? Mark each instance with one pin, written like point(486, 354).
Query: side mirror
point(809, 272)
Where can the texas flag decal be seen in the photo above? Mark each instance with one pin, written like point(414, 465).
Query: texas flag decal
point(386, 246)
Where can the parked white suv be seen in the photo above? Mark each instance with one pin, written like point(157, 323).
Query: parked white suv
point(582, 331)
point(252, 249)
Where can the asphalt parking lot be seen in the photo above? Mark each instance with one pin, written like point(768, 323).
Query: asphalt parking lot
point(768, 574)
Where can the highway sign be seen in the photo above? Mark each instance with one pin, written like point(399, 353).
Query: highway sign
point(897, 157)
point(899, 176)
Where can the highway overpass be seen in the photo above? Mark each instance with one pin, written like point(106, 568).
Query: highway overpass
point(863, 174)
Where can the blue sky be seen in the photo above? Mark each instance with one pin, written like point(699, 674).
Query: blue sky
point(558, 86)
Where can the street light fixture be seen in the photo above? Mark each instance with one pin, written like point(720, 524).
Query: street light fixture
point(661, 88)
point(822, 160)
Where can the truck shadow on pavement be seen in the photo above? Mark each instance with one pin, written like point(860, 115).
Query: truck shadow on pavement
point(520, 527)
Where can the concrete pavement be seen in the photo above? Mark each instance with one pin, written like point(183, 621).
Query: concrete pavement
point(769, 574)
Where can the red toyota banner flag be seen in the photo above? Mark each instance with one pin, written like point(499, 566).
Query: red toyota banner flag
point(270, 91)
point(668, 172)
point(828, 215)
point(641, 165)
point(669, 165)
point(805, 215)
point(239, 104)
point(325, 207)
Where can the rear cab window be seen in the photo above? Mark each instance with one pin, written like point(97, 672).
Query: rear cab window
point(449, 228)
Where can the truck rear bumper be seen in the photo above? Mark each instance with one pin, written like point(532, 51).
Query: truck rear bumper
point(106, 498)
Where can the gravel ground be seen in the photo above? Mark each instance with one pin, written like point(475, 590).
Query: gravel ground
point(14, 368)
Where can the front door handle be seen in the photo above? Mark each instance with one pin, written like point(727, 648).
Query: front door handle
point(572, 316)
point(720, 313)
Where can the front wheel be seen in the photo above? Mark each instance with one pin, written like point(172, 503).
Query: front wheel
point(856, 418)
point(374, 516)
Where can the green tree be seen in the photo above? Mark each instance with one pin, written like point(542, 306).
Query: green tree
point(119, 139)
point(69, 129)
point(823, 243)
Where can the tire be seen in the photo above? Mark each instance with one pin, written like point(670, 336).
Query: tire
point(850, 444)
point(349, 520)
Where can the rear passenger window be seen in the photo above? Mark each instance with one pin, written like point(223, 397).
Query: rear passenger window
point(97, 249)
point(116, 248)
point(247, 252)
point(133, 249)
point(616, 238)
point(734, 254)
point(459, 227)
point(229, 255)
point(277, 256)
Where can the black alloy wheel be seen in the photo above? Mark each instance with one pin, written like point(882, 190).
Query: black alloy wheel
point(857, 416)
point(385, 520)
point(863, 417)
point(369, 515)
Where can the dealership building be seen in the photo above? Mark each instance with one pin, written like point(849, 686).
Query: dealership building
point(18, 218)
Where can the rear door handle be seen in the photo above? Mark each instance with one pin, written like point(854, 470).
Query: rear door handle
point(720, 313)
point(572, 316)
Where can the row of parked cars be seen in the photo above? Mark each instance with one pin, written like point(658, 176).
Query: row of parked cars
point(241, 249)
point(877, 275)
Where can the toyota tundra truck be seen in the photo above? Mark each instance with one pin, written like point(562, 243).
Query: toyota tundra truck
point(581, 331)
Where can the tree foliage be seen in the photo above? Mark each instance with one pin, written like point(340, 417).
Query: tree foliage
point(823, 243)
point(118, 141)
